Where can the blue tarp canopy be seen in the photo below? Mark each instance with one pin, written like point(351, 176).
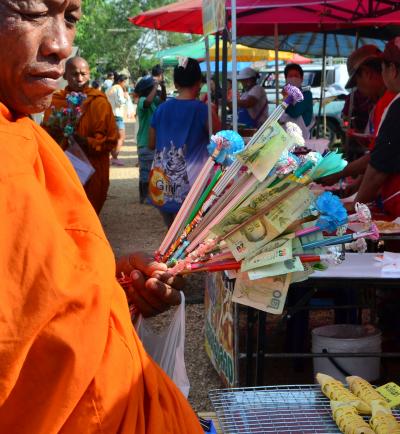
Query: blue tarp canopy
point(337, 45)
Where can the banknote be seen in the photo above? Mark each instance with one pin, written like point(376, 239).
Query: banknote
point(260, 231)
point(287, 266)
point(277, 250)
point(261, 157)
point(258, 200)
point(315, 236)
point(268, 294)
point(301, 276)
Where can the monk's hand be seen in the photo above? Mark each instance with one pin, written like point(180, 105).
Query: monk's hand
point(82, 141)
point(153, 290)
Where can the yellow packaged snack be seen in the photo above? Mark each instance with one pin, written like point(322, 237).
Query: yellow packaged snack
point(347, 419)
point(334, 390)
point(363, 390)
point(382, 420)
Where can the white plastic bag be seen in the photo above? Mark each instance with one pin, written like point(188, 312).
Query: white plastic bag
point(168, 347)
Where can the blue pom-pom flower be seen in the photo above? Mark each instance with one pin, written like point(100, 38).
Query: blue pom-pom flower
point(332, 212)
point(224, 146)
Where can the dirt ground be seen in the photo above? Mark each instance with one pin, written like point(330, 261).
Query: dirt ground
point(131, 226)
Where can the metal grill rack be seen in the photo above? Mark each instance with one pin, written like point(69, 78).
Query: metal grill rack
point(274, 409)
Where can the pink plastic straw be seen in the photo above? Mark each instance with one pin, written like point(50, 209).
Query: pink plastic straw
point(184, 211)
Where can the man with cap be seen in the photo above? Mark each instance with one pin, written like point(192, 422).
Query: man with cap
point(382, 176)
point(365, 74)
point(253, 103)
point(146, 90)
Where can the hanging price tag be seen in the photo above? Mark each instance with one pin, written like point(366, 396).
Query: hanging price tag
point(391, 392)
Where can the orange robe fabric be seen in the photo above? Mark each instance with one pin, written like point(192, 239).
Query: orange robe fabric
point(70, 361)
point(97, 124)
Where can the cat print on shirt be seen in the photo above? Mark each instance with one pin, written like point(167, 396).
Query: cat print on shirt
point(176, 173)
point(159, 158)
point(169, 179)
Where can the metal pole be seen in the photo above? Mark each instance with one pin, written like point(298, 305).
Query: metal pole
point(234, 67)
point(357, 43)
point(224, 78)
point(276, 46)
point(216, 73)
point(322, 95)
point(210, 126)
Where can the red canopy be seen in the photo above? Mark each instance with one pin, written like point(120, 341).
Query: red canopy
point(183, 16)
point(316, 17)
point(256, 17)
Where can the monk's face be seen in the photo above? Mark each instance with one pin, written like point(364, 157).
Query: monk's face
point(35, 39)
point(78, 75)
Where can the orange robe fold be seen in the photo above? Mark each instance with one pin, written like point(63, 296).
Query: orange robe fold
point(70, 361)
point(97, 124)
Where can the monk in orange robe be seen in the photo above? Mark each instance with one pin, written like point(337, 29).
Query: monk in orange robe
point(70, 360)
point(96, 131)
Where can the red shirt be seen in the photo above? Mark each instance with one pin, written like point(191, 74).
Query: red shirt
point(380, 107)
point(392, 183)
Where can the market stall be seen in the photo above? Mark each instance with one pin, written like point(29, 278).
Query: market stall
point(253, 217)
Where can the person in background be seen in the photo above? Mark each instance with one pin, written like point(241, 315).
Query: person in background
point(158, 74)
point(204, 90)
point(95, 84)
point(365, 73)
point(148, 100)
point(229, 88)
point(118, 97)
point(108, 82)
point(382, 175)
point(302, 112)
point(96, 132)
point(179, 136)
point(253, 103)
point(356, 113)
point(70, 360)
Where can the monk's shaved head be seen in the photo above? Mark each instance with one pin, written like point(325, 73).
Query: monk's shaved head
point(77, 73)
point(74, 62)
point(36, 37)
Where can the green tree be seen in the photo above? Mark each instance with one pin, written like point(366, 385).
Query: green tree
point(110, 42)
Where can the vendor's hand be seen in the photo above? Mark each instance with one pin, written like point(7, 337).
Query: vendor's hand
point(330, 179)
point(153, 289)
point(349, 207)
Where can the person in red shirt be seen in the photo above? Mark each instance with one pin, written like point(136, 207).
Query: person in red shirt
point(382, 176)
point(364, 66)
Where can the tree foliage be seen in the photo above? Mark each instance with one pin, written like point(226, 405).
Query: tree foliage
point(110, 42)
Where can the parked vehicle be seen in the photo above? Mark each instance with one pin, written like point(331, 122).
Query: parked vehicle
point(332, 104)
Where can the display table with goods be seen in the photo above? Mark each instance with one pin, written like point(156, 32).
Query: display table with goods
point(366, 273)
point(251, 214)
point(327, 408)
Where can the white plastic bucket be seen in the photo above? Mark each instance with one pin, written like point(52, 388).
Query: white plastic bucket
point(347, 338)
